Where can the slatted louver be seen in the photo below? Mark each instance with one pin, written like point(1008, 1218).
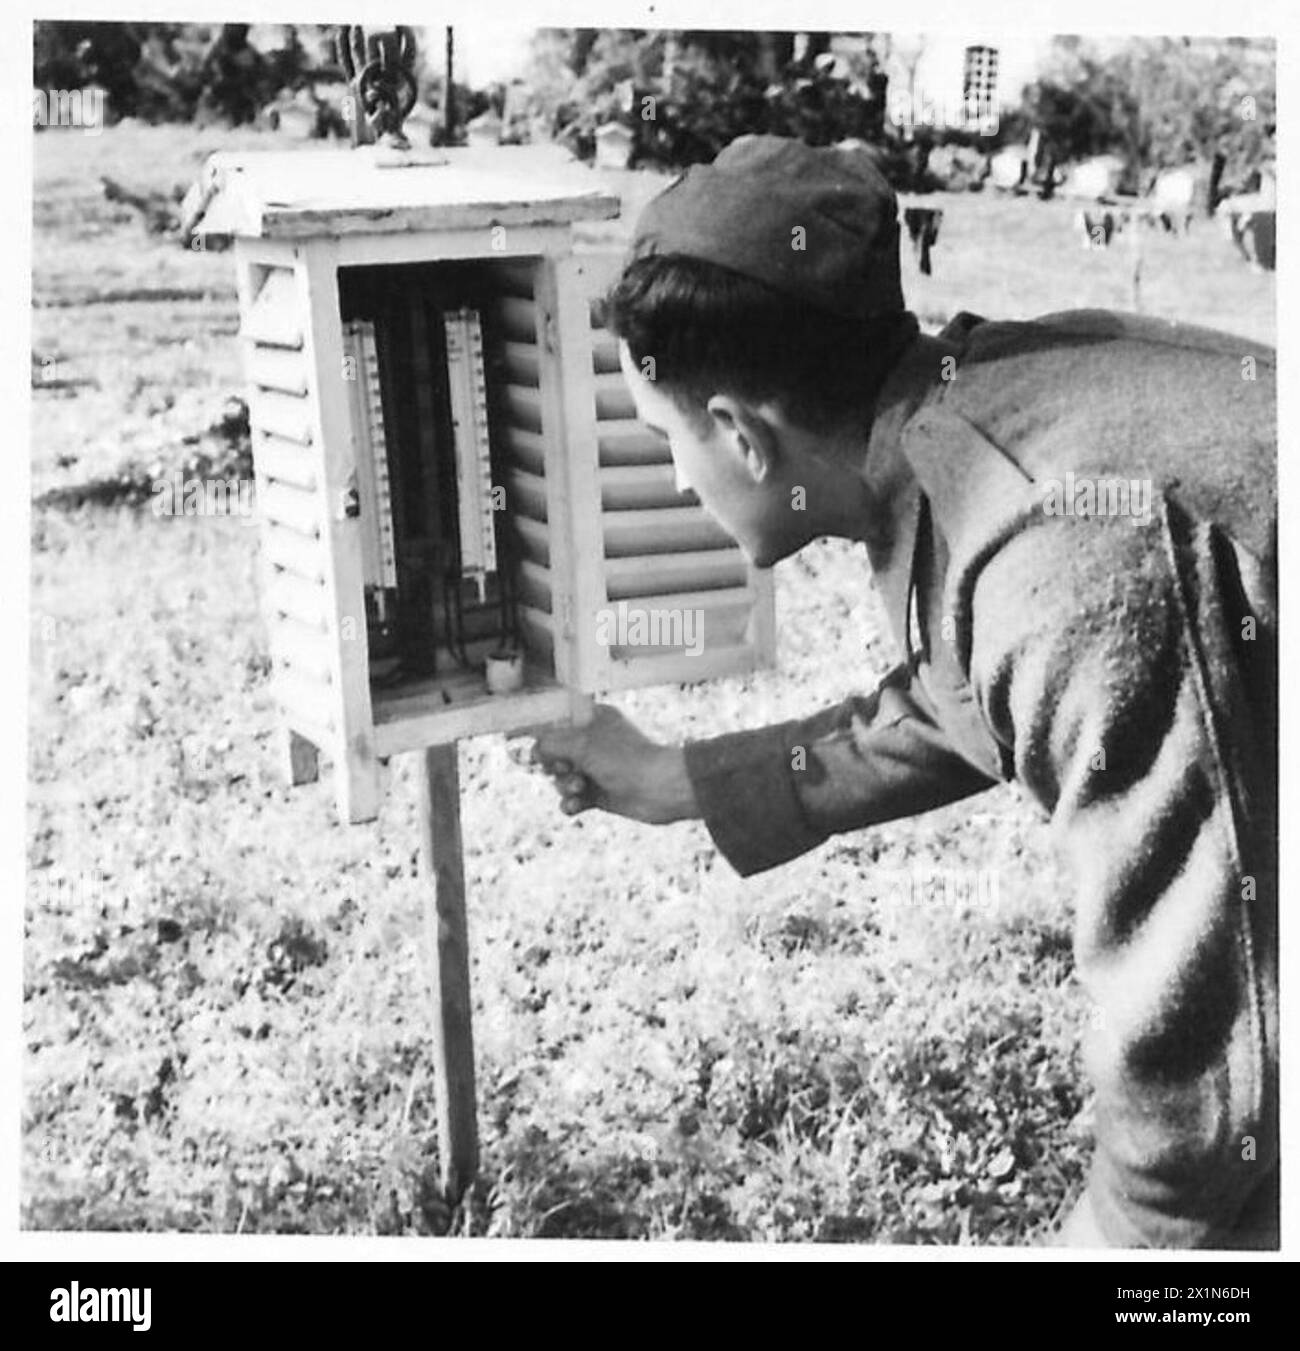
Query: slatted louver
point(286, 463)
point(665, 558)
point(521, 447)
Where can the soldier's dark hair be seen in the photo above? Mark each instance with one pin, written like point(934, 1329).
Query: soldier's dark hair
point(710, 330)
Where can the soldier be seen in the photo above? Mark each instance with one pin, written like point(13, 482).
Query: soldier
point(1072, 522)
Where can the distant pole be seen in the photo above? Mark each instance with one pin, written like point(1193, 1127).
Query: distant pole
point(1135, 258)
point(671, 56)
point(1216, 178)
point(1142, 204)
point(449, 99)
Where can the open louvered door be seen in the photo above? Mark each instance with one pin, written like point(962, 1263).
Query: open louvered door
point(638, 547)
point(311, 564)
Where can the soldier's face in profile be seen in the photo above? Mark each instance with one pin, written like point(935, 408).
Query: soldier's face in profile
point(717, 458)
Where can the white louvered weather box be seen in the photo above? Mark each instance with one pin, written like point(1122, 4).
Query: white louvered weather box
point(449, 467)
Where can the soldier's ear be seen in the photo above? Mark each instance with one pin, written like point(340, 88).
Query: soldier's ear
point(747, 433)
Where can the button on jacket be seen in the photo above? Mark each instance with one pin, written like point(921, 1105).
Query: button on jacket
point(1082, 587)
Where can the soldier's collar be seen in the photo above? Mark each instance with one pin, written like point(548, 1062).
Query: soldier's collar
point(923, 368)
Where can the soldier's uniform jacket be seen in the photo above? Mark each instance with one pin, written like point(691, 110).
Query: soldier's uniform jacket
point(1123, 670)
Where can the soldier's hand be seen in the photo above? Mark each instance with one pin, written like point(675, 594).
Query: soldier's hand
point(609, 764)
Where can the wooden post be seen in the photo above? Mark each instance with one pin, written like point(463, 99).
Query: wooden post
point(453, 1039)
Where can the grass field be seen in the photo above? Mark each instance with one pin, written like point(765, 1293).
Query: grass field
point(225, 1001)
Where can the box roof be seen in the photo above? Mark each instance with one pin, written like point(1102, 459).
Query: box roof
point(309, 193)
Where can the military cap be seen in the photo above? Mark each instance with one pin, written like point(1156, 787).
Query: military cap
point(816, 223)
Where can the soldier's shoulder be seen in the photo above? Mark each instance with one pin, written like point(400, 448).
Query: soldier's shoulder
point(985, 340)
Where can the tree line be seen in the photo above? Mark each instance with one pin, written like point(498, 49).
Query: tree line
point(685, 94)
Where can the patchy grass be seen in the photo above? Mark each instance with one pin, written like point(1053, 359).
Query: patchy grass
point(225, 998)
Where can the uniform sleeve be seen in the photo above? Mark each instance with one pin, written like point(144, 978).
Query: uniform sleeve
point(769, 795)
point(1089, 670)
